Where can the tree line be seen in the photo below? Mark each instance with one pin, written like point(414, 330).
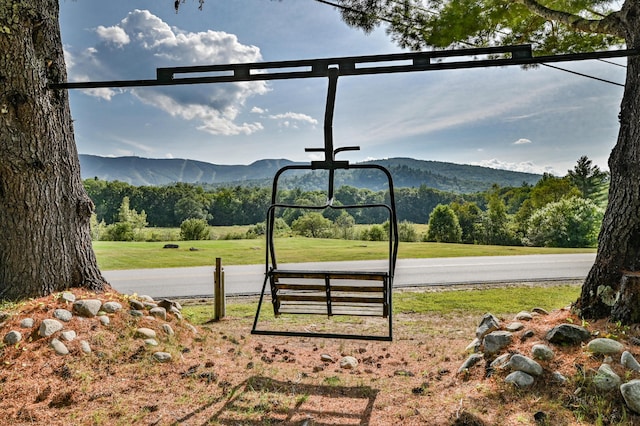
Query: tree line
point(559, 212)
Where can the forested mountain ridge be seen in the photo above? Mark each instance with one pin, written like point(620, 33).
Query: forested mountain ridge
point(406, 172)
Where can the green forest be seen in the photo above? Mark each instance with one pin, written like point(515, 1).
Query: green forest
point(555, 212)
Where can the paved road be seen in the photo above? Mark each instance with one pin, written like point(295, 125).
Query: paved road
point(198, 281)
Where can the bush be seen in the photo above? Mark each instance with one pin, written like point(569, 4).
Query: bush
point(119, 231)
point(444, 226)
point(194, 229)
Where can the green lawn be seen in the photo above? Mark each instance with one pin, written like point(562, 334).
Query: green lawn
point(139, 255)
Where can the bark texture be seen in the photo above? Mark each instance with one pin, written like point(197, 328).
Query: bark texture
point(45, 243)
point(619, 240)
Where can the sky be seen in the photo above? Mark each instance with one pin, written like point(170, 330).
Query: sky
point(537, 120)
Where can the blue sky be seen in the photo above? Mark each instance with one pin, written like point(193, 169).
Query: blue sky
point(536, 120)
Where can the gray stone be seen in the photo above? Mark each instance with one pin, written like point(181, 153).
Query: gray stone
point(568, 333)
point(523, 316)
point(176, 313)
point(87, 308)
point(542, 352)
point(151, 342)
point(104, 320)
point(474, 346)
point(12, 337)
point(59, 347)
point(558, 377)
point(629, 361)
point(488, 324)
point(136, 305)
point(515, 326)
point(520, 379)
point(326, 358)
point(63, 315)
point(146, 298)
point(604, 346)
point(348, 363)
point(631, 394)
point(136, 313)
point(145, 333)
point(68, 335)
point(496, 341)
point(500, 361)
point(27, 323)
point(85, 347)
point(525, 364)
point(67, 296)
point(527, 335)
point(540, 311)
point(168, 304)
point(111, 307)
point(149, 305)
point(168, 330)
point(606, 379)
point(159, 312)
point(470, 362)
point(49, 327)
point(162, 356)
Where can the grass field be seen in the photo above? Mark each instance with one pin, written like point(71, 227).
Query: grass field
point(139, 255)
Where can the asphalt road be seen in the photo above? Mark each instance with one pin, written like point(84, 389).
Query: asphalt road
point(247, 279)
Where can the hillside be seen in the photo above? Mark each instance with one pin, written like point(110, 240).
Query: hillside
point(406, 172)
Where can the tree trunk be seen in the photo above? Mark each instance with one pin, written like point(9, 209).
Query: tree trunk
point(619, 239)
point(45, 242)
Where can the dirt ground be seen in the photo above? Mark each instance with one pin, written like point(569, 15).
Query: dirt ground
point(220, 374)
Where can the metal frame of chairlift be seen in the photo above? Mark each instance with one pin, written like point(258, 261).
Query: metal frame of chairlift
point(332, 68)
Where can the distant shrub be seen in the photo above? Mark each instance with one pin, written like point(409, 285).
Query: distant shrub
point(194, 229)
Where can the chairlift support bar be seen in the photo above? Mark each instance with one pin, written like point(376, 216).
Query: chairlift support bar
point(349, 65)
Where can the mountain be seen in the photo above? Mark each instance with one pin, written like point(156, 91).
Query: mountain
point(406, 172)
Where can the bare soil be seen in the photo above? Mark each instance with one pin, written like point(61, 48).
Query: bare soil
point(223, 375)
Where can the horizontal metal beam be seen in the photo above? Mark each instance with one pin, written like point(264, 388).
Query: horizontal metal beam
point(350, 65)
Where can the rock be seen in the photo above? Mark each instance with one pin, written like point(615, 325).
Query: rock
point(558, 377)
point(604, 346)
point(49, 327)
point(162, 356)
point(171, 246)
point(474, 346)
point(540, 311)
point(515, 326)
point(67, 296)
point(488, 324)
point(326, 358)
point(85, 347)
point(146, 298)
point(522, 363)
point(176, 312)
point(136, 313)
point(12, 337)
point(606, 379)
point(542, 352)
point(145, 333)
point(87, 308)
point(104, 320)
point(348, 363)
point(151, 342)
point(631, 394)
point(192, 328)
point(500, 361)
point(495, 341)
point(136, 305)
point(520, 379)
point(159, 312)
point(629, 361)
point(63, 315)
point(68, 335)
point(527, 335)
point(168, 304)
point(27, 323)
point(168, 330)
point(523, 316)
point(568, 333)
point(59, 347)
point(149, 305)
point(111, 307)
point(470, 362)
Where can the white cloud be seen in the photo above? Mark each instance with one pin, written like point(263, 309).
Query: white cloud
point(143, 40)
point(522, 141)
point(292, 119)
point(258, 110)
point(115, 35)
point(524, 166)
